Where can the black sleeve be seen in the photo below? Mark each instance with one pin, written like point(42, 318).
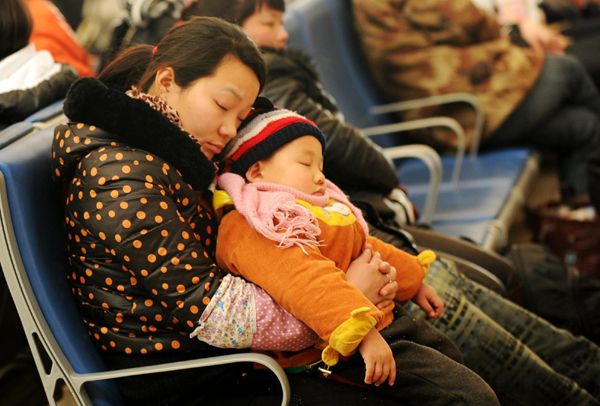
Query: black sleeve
point(352, 160)
point(19, 104)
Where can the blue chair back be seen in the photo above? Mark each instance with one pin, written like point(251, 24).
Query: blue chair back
point(324, 29)
point(37, 217)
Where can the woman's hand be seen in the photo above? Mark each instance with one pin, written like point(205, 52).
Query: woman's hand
point(375, 278)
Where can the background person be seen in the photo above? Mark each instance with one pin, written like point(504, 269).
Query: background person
point(528, 97)
point(52, 32)
point(30, 79)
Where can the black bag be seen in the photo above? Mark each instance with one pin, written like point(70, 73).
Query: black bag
point(556, 292)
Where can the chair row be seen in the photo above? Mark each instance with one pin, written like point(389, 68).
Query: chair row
point(476, 198)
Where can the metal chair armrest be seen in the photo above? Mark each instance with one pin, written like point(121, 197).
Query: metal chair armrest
point(80, 379)
point(425, 123)
point(437, 100)
point(432, 160)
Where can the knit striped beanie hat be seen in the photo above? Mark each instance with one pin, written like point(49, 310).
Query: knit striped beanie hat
point(266, 129)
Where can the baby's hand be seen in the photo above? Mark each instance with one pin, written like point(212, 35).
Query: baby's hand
point(428, 300)
point(379, 359)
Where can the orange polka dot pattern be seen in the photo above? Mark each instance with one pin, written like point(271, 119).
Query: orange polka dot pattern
point(140, 243)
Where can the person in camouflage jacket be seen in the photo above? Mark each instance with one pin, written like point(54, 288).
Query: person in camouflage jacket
point(420, 48)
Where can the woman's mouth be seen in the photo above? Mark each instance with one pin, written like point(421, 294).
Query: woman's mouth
point(211, 149)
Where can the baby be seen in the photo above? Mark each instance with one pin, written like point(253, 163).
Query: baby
point(294, 233)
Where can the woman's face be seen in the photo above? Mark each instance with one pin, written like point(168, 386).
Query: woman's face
point(266, 29)
point(212, 107)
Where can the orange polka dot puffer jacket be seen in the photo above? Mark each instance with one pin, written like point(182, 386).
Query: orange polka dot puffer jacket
point(140, 241)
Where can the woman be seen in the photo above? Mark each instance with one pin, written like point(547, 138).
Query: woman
point(29, 79)
point(485, 326)
point(135, 162)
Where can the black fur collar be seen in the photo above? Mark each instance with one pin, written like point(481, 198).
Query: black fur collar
point(91, 102)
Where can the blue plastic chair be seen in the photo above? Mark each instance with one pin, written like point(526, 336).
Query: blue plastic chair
point(33, 259)
point(481, 197)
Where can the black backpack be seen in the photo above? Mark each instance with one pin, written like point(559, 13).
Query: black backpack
point(556, 292)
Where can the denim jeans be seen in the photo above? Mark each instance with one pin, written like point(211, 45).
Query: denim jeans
point(526, 360)
point(560, 114)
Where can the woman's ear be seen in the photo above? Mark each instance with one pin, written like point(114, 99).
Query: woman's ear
point(164, 81)
point(254, 173)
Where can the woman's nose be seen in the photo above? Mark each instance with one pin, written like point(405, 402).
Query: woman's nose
point(228, 130)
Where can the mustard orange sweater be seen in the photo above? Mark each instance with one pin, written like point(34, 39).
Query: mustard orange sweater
point(314, 287)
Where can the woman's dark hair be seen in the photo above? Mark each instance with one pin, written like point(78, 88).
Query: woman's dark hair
point(15, 26)
point(193, 49)
point(234, 11)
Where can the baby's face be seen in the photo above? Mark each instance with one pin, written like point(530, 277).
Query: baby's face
point(298, 164)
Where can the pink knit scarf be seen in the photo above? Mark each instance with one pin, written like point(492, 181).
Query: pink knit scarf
point(272, 210)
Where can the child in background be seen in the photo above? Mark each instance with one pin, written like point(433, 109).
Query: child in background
point(294, 233)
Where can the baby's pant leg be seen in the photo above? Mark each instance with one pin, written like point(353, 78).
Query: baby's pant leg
point(424, 377)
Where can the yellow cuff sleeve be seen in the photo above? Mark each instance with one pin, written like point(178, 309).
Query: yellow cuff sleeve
point(425, 258)
point(221, 200)
point(348, 335)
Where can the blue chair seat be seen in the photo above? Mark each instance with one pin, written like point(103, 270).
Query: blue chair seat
point(479, 199)
point(473, 230)
point(505, 164)
point(490, 185)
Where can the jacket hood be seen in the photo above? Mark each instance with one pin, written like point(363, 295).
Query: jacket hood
point(135, 124)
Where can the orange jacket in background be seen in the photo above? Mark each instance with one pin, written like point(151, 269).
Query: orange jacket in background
point(52, 32)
